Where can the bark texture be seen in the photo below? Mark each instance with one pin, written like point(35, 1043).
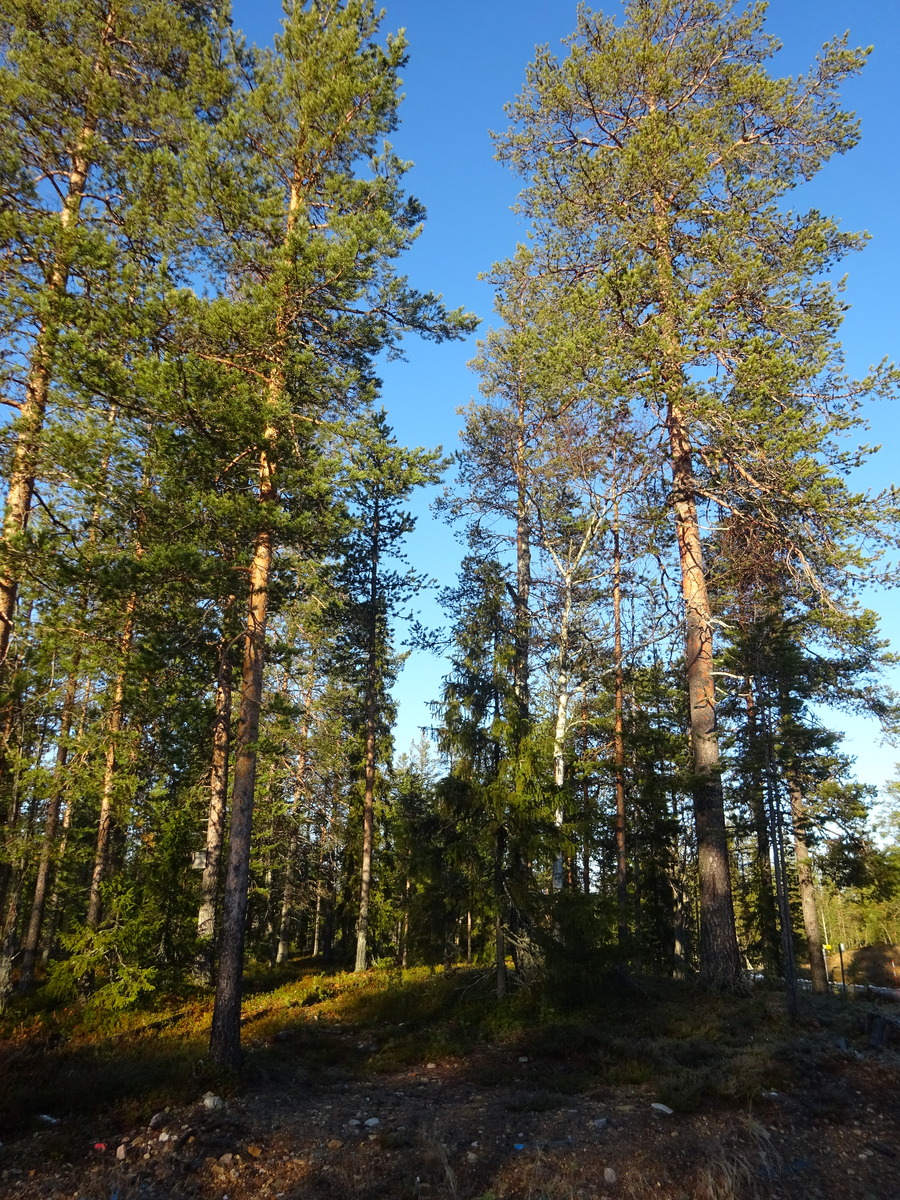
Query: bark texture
point(225, 1035)
point(215, 823)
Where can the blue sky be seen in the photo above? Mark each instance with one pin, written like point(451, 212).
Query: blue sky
point(467, 60)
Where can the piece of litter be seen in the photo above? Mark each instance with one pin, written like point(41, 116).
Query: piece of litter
point(50, 1120)
point(519, 1146)
point(99, 1145)
point(663, 1108)
point(523, 1058)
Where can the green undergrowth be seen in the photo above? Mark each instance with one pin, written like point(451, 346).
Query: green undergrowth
point(97, 1073)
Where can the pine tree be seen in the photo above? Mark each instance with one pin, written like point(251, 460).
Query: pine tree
point(97, 106)
point(657, 154)
point(312, 249)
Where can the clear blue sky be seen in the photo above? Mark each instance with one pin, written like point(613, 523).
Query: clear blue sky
point(468, 59)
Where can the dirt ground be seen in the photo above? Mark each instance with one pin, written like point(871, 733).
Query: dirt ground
point(497, 1123)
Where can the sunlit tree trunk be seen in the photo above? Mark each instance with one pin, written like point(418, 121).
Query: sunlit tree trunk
point(562, 723)
point(371, 719)
point(808, 904)
point(225, 1033)
point(215, 822)
point(107, 799)
point(720, 963)
point(37, 388)
point(619, 740)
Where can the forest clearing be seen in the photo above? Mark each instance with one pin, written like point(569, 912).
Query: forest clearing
point(237, 922)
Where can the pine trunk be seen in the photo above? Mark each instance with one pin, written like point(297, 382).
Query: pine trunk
point(817, 970)
point(371, 702)
point(37, 388)
point(105, 824)
point(521, 616)
point(720, 962)
point(225, 1035)
point(619, 743)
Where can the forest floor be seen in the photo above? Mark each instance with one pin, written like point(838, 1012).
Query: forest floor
point(421, 1085)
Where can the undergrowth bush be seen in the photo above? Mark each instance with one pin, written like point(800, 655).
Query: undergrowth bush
point(109, 962)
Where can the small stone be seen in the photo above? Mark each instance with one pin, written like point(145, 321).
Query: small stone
point(165, 1135)
point(523, 1058)
point(609, 1175)
point(254, 1151)
point(122, 1152)
point(225, 1160)
point(662, 1108)
point(431, 1066)
point(354, 1123)
point(158, 1118)
point(212, 1101)
point(335, 1144)
point(373, 1122)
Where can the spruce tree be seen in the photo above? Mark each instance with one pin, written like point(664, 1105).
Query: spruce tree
point(374, 583)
